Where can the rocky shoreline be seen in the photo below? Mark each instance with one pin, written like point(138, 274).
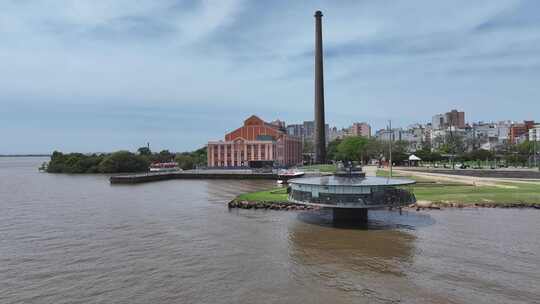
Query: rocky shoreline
point(420, 205)
point(285, 206)
point(440, 205)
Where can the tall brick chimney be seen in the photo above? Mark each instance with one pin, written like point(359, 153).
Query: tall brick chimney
point(320, 136)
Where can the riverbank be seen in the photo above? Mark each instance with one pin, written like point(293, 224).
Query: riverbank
point(284, 205)
point(272, 202)
point(120, 161)
point(273, 199)
point(429, 194)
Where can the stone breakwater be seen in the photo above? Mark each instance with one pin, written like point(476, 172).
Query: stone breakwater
point(285, 206)
point(420, 205)
point(439, 205)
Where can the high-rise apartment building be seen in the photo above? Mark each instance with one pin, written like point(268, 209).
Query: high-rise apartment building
point(360, 129)
point(519, 129)
point(534, 133)
point(454, 118)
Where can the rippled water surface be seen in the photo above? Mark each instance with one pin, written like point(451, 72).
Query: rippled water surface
point(77, 239)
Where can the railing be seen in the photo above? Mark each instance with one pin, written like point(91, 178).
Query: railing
point(385, 197)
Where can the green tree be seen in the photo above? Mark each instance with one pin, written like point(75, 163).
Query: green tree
point(73, 163)
point(308, 147)
point(190, 160)
point(427, 155)
point(200, 156)
point(353, 148)
point(424, 154)
point(399, 151)
point(185, 161)
point(144, 151)
point(480, 154)
point(519, 154)
point(90, 164)
point(123, 161)
point(374, 149)
point(332, 150)
point(524, 148)
point(57, 163)
point(164, 156)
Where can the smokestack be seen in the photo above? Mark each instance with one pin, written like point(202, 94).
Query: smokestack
point(320, 136)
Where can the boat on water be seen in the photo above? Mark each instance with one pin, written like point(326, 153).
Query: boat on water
point(164, 167)
point(285, 175)
point(291, 173)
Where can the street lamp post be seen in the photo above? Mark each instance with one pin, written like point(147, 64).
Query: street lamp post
point(391, 140)
point(535, 140)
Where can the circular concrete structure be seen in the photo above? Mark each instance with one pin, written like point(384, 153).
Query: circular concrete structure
point(351, 196)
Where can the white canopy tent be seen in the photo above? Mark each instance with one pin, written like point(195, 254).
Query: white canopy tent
point(414, 158)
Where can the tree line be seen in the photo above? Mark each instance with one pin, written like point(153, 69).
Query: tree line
point(363, 149)
point(121, 161)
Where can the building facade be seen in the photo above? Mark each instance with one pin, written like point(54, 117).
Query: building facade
point(414, 136)
point(454, 118)
point(335, 133)
point(296, 130)
point(360, 129)
point(534, 133)
point(306, 131)
point(437, 122)
point(254, 144)
point(518, 130)
point(490, 135)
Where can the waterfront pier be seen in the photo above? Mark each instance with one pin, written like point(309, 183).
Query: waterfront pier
point(201, 174)
point(192, 174)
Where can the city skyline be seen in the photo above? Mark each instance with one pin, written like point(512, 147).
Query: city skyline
point(100, 77)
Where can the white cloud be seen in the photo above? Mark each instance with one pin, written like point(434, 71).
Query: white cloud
point(256, 56)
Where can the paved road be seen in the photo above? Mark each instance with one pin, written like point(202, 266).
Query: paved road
point(473, 180)
point(370, 170)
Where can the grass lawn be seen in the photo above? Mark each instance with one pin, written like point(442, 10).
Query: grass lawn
point(320, 168)
point(436, 192)
point(457, 192)
point(272, 195)
point(418, 179)
point(504, 193)
point(507, 193)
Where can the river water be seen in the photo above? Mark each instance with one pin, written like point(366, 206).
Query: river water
point(77, 239)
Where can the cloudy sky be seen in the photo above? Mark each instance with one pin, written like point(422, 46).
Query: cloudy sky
point(102, 75)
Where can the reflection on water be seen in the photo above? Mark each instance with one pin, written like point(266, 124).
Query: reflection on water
point(352, 249)
point(355, 259)
point(378, 219)
point(77, 239)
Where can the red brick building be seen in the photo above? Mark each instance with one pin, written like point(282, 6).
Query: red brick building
point(255, 143)
point(360, 129)
point(455, 118)
point(519, 129)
